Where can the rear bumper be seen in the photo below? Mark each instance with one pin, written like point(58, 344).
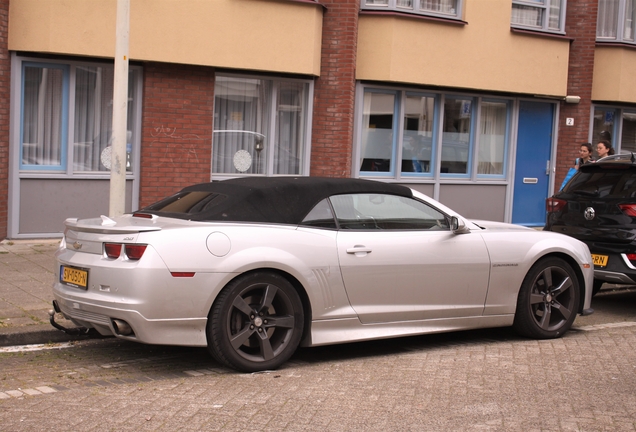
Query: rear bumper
point(184, 331)
point(619, 269)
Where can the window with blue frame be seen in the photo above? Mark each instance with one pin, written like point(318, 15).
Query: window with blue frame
point(66, 116)
point(413, 135)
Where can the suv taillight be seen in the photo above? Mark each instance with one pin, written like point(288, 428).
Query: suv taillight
point(553, 205)
point(628, 209)
point(133, 252)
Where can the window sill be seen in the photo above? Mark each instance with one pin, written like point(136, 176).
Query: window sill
point(453, 21)
point(540, 33)
point(615, 44)
point(312, 2)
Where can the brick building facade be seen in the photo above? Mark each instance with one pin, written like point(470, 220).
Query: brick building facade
point(303, 87)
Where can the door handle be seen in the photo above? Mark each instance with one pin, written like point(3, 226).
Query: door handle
point(359, 250)
point(547, 167)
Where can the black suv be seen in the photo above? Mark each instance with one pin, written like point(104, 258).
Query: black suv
point(598, 207)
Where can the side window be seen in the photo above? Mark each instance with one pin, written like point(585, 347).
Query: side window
point(386, 212)
point(66, 117)
point(320, 216)
point(260, 126)
point(444, 8)
point(539, 15)
point(406, 134)
point(615, 21)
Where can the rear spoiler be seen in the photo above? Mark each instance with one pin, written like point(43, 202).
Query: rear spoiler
point(104, 224)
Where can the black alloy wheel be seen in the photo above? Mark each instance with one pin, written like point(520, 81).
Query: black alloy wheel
point(548, 300)
point(255, 323)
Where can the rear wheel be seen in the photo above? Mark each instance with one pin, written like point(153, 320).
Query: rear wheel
point(548, 300)
point(255, 323)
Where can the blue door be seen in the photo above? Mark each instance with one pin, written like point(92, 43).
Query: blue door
point(532, 174)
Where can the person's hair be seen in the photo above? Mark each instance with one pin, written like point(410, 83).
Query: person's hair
point(608, 146)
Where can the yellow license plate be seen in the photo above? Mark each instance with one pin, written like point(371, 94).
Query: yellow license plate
point(599, 260)
point(74, 276)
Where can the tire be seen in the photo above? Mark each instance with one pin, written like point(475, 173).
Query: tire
point(255, 323)
point(548, 300)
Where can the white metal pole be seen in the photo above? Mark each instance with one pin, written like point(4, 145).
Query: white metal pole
point(120, 112)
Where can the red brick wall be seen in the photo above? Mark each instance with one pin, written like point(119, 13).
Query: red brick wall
point(5, 90)
point(176, 142)
point(334, 96)
point(580, 25)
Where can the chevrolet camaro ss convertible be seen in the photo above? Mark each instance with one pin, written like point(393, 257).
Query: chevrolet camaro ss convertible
point(252, 268)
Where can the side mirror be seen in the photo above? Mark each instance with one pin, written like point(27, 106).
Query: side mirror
point(458, 226)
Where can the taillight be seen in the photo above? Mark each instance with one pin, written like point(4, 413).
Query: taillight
point(113, 250)
point(628, 209)
point(132, 252)
point(142, 215)
point(631, 257)
point(553, 205)
point(135, 252)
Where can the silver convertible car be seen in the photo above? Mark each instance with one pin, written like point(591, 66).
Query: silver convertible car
point(252, 268)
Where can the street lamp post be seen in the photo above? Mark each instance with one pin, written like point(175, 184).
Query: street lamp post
point(120, 112)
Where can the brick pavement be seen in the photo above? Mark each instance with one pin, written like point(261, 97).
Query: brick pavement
point(489, 380)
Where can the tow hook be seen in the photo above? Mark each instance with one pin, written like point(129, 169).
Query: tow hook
point(77, 331)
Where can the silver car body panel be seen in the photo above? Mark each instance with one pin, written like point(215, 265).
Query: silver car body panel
point(445, 281)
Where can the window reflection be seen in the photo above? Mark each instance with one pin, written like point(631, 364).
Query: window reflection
point(377, 132)
point(456, 135)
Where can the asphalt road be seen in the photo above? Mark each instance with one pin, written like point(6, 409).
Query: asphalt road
point(487, 380)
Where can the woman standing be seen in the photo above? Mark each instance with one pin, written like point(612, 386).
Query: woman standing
point(585, 155)
point(604, 148)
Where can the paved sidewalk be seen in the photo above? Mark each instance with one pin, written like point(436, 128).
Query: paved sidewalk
point(26, 279)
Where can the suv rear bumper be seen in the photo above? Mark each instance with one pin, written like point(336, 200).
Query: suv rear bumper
point(613, 277)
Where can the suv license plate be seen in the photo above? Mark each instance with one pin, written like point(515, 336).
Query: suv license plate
point(599, 260)
point(74, 277)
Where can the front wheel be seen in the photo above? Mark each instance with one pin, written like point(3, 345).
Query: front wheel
point(255, 323)
point(548, 300)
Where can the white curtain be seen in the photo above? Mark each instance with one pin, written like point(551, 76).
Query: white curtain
point(527, 16)
point(92, 131)
point(42, 116)
point(443, 6)
point(241, 115)
point(630, 17)
point(492, 137)
point(607, 22)
point(93, 117)
point(290, 128)
point(554, 17)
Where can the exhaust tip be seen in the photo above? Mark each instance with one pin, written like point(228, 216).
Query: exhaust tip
point(122, 328)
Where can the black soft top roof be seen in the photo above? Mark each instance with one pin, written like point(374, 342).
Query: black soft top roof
point(285, 200)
